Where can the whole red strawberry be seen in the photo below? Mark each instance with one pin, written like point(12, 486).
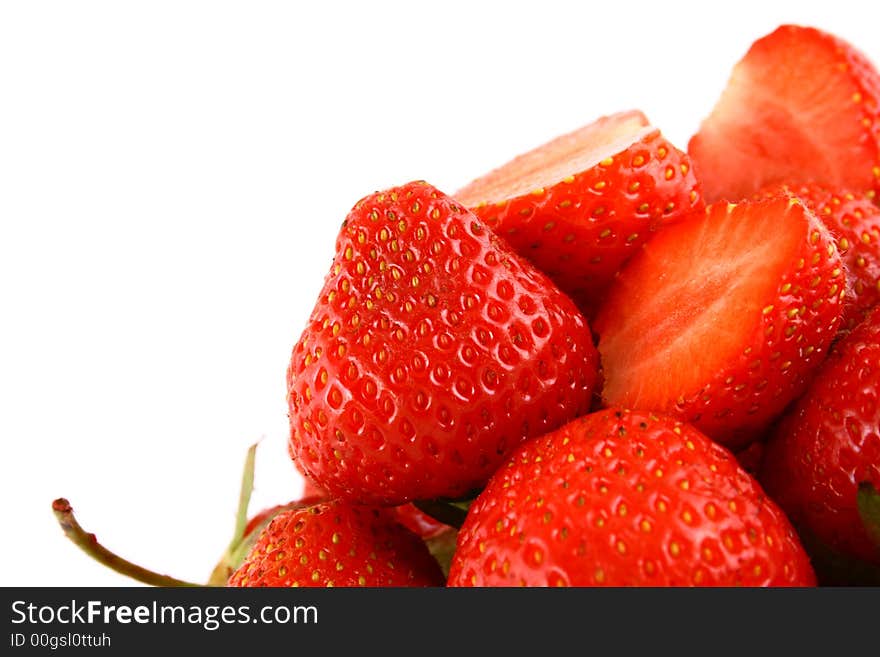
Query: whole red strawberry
point(432, 351)
point(722, 318)
point(334, 544)
point(802, 105)
point(622, 498)
point(854, 220)
point(829, 443)
point(580, 205)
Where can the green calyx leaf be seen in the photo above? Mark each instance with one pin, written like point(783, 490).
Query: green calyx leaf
point(237, 549)
point(448, 512)
point(868, 500)
point(442, 548)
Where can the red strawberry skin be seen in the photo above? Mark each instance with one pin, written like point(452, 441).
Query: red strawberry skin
point(432, 351)
point(620, 498)
point(722, 318)
point(407, 515)
point(583, 227)
point(418, 522)
point(829, 443)
point(259, 521)
point(802, 105)
point(334, 544)
point(854, 220)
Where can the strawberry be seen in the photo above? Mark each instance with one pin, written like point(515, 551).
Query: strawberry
point(580, 205)
point(854, 220)
point(722, 317)
point(829, 443)
point(620, 498)
point(432, 351)
point(801, 106)
point(334, 544)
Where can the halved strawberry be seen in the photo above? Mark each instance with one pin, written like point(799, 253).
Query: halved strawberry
point(722, 317)
point(802, 105)
point(580, 205)
point(854, 220)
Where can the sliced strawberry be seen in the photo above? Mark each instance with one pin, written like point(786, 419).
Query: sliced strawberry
point(722, 317)
point(580, 205)
point(854, 220)
point(802, 105)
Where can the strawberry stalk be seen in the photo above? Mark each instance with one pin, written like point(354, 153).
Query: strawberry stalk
point(88, 543)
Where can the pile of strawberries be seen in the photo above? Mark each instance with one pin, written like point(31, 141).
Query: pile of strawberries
point(609, 361)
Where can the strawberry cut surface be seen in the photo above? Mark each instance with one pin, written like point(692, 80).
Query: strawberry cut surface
point(564, 156)
point(722, 317)
point(580, 205)
point(801, 106)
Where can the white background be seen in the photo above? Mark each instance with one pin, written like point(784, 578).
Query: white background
point(172, 177)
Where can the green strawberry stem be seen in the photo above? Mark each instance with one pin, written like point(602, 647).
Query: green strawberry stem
point(869, 509)
point(446, 512)
point(88, 543)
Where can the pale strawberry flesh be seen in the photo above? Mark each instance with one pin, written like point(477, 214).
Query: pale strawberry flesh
point(723, 317)
point(800, 106)
point(694, 318)
point(556, 160)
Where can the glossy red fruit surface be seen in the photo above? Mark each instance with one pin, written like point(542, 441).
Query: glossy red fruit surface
point(829, 443)
point(432, 351)
point(854, 220)
point(334, 544)
point(582, 204)
point(620, 498)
